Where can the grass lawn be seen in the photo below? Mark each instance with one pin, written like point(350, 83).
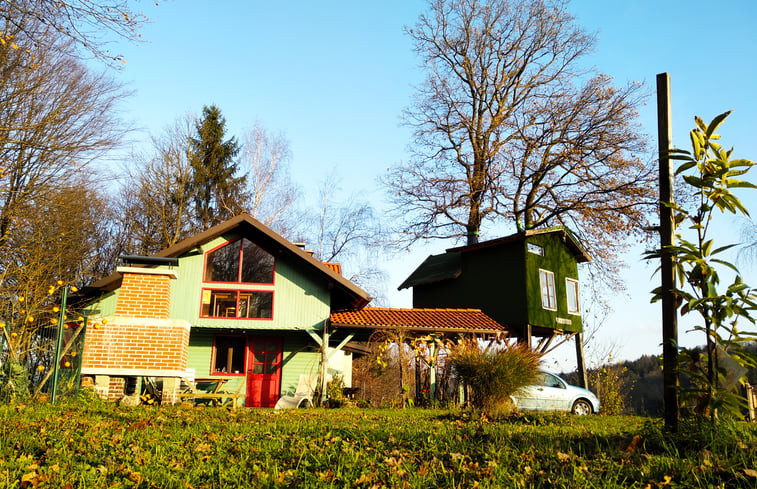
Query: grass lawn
point(100, 445)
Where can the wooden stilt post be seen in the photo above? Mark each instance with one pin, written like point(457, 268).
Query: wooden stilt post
point(583, 380)
point(527, 335)
point(667, 272)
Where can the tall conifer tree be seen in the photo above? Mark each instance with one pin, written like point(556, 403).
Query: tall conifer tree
point(217, 191)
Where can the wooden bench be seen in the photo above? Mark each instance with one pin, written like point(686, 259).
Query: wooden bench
point(217, 396)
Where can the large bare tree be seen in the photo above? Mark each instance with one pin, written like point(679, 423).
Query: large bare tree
point(348, 231)
point(154, 208)
point(56, 117)
point(90, 25)
point(510, 128)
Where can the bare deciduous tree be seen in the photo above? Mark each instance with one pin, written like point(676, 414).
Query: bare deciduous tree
point(86, 23)
point(265, 157)
point(508, 127)
point(348, 232)
point(56, 117)
point(155, 203)
point(57, 235)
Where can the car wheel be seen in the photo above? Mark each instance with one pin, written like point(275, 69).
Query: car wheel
point(581, 408)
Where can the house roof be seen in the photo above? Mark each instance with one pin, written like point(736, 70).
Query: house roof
point(447, 265)
point(336, 267)
point(345, 294)
point(568, 238)
point(428, 320)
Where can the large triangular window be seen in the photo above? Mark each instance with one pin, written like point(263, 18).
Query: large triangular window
point(240, 261)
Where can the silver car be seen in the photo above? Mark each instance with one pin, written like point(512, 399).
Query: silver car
point(551, 393)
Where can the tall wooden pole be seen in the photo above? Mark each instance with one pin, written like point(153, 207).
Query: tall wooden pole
point(59, 345)
point(667, 272)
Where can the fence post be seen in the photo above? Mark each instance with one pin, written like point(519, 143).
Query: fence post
point(59, 345)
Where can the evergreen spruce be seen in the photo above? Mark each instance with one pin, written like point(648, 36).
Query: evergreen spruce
point(217, 192)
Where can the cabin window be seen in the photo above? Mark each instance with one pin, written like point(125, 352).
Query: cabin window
point(229, 354)
point(240, 261)
point(571, 286)
point(535, 249)
point(238, 304)
point(548, 295)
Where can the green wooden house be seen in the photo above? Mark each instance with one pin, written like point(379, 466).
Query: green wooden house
point(237, 304)
point(527, 282)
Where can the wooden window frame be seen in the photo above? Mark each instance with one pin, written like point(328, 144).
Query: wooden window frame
point(214, 356)
point(571, 283)
point(238, 293)
point(240, 243)
point(551, 290)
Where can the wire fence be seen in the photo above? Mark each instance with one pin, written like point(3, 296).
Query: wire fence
point(41, 359)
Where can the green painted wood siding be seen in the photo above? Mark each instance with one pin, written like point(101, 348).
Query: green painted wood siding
point(104, 305)
point(299, 357)
point(559, 260)
point(492, 279)
point(300, 301)
point(503, 281)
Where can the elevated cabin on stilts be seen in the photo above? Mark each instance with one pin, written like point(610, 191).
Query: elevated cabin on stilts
point(527, 282)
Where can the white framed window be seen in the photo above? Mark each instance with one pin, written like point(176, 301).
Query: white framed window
point(535, 249)
point(571, 286)
point(548, 294)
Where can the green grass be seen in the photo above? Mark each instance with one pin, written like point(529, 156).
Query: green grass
point(98, 445)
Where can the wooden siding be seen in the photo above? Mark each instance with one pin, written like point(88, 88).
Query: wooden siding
point(300, 356)
point(104, 305)
point(492, 279)
point(559, 260)
point(299, 300)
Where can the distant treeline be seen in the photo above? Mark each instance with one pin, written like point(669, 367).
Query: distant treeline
point(645, 375)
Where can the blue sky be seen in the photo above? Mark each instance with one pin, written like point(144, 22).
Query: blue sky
point(334, 77)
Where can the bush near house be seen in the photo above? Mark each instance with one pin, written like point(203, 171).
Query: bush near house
point(494, 372)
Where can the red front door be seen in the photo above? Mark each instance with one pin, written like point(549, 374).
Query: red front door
point(263, 372)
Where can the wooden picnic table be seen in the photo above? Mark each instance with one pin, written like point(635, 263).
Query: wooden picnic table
point(217, 397)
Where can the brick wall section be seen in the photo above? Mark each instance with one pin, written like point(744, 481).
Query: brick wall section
point(140, 336)
point(116, 388)
point(120, 345)
point(144, 296)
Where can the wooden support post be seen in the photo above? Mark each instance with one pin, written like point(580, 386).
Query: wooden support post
point(324, 360)
point(583, 380)
point(432, 354)
point(527, 335)
point(667, 271)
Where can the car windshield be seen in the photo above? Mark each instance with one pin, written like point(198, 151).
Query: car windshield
point(549, 380)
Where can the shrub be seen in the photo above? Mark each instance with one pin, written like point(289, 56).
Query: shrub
point(494, 372)
point(612, 385)
point(335, 391)
point(14, 381)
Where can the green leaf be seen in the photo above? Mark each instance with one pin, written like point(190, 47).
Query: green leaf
point(726, 264)
point(706, 247)
point(696, 144)
point(742, 162)
point(733, 183)
point(693, 181)
point(716, 123)
point(700, 123)
point(723, 248)
point(685, 166)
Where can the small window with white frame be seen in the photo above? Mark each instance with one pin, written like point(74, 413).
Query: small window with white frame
point(548, 293)
point(535, 249)
point(571, 286)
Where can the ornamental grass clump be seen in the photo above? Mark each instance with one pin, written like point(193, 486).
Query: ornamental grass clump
point(494, 371)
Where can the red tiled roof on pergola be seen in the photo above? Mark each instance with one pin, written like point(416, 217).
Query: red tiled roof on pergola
point(428, 320)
